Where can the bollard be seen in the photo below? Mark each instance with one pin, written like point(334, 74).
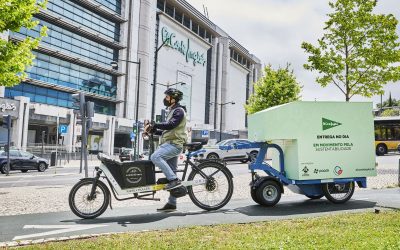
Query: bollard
point(399, 174)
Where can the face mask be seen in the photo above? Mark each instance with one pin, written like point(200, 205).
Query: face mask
point(166, 102)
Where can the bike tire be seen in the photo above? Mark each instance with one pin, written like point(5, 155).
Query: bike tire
point(89, 183)
point(211, 185)
point(330, 189)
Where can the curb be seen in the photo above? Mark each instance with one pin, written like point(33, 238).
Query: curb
point(87, 236)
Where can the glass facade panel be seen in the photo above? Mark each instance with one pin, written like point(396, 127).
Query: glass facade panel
point(55, 97)
point(114, 5)
point(50, 69)
point(82, 16)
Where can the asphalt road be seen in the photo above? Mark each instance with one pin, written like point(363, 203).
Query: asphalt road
point(64, 224)
point(68, 176)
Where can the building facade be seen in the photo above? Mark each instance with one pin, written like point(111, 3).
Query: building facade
point(176, 46)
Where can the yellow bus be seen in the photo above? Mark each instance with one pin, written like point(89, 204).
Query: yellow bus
point(387, 134)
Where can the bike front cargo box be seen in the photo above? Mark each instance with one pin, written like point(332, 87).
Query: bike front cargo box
point(320, 140)
point(133, 173)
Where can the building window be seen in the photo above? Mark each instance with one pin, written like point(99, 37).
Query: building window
point(66, 41)
point(178, 16)
point(195, 27)
point(54, 70)
point(55, 97)
point(84, 17)
point(202, 32)
point(160, 4)
point(186, 21)
point(114, 5)
point(169, 10)
point(235, 56)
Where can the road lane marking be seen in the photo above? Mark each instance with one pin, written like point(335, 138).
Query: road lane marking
point(60, 229)
point(38, 175)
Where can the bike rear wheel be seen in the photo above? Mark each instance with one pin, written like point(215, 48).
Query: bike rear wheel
point(338, 192)
point(218, 189)
point(85, 207)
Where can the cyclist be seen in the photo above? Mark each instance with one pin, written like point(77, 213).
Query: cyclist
point(173, 136)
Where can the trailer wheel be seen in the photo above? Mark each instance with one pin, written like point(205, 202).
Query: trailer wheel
point(338, 192)
point(268, 193)
point(254, 196)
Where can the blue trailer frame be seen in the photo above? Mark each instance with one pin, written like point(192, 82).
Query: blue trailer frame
point(307, 187)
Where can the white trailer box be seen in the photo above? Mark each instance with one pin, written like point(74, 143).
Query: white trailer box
point(320, 140)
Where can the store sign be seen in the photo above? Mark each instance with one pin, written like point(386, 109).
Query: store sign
point(183, 46)
point(7, 106)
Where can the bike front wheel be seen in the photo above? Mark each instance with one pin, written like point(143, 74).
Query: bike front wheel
point(85, 206)
point(218, 187)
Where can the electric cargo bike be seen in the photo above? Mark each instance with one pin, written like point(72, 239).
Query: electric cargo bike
point(209, 184)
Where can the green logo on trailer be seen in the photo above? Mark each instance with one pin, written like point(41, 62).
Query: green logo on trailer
point(327, 124)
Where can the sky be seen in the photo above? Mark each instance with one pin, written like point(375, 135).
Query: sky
point(273, 30)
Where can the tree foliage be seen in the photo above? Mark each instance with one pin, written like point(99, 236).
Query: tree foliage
point(275, 88)
point(16, 57)
point(390, 112)
point(358, 51)
point(390, 102)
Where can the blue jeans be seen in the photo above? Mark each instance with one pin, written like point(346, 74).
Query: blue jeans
point(166, 159)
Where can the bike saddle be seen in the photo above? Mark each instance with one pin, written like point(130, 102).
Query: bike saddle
point(193, 146)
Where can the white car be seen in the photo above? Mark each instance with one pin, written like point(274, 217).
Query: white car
point(218, 151)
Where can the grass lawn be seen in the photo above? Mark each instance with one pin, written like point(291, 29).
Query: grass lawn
point(345, 231)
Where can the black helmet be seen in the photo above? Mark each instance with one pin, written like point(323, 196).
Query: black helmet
point(174, 93)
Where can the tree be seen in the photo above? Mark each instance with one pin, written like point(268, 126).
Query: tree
point(359, 50)
point(275, 88)
point(389, 103)
point(16, 57)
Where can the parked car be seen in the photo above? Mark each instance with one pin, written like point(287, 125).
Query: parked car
point(23, 161)
point(126, 154)
point(219, 151)
point(145, 155)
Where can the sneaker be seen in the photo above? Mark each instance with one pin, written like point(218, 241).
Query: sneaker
point(173, 184)
point(167, 208)
point(162, 181)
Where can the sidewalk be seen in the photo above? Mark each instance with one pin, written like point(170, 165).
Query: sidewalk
point(54, 198)
point(44, 199)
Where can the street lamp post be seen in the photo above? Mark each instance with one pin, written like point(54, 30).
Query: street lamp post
point(155, 65)
point(114, 64)
point(220, 119)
